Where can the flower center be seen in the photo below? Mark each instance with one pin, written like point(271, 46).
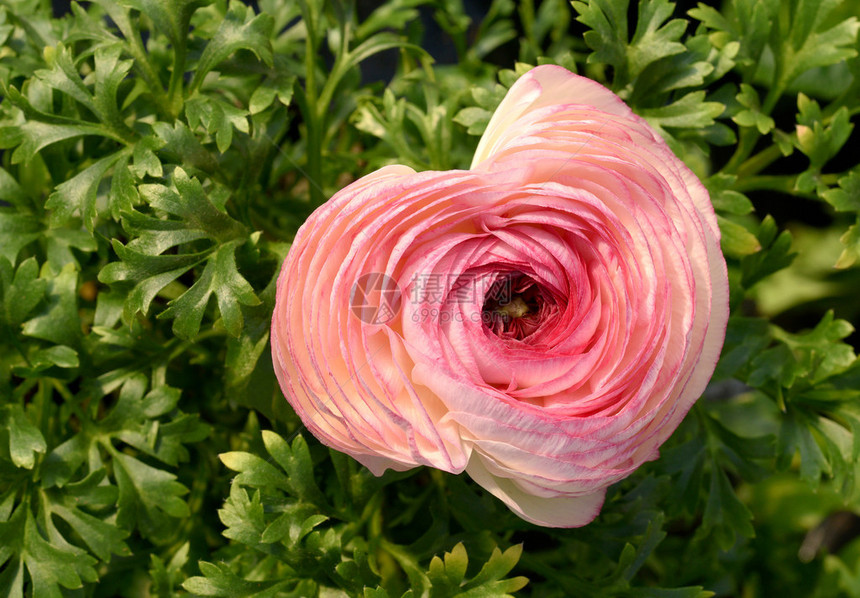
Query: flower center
point(514, 307)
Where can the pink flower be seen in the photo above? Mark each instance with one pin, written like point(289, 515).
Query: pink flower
point(542, 321)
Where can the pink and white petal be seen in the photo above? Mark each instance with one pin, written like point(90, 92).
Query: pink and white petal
point(553, 511)
point(542, 87)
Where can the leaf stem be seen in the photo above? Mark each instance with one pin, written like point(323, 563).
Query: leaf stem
point(175, 99)
point(144, 67)
point(748, 138)
point(781, 183)
point(759, 162)
point(312, 111)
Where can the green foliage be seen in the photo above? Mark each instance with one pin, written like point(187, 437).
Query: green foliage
point(156, 158)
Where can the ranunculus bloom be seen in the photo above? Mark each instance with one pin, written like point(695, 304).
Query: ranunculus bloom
point(560, 306)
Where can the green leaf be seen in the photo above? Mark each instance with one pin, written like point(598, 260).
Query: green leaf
point(845, 198)
point(390, 15)
point(816, 140)
point(220, 277)
point(33, 136)
point(171, 17)
point(691, 111)
point(145, 263)
point(78, 194)
point(58, 320)
point(653, 38)
point(110, 72)
point(49, 567)
point(151, 273)
point(746, 338)
point(736, 241)
point(796, 437)
point(449, 574)
point(749, 23)
point(190, 203)
point(21, 294)
point(474, 119)
point(752, 116)
point(145, 162)
point(103, 538)
point(775, 254)
point(851, 240)
point(240, 29)
point(17, 230)
point(64, 77)
point(253, 471)
point(219, 580)
point(812, 43)
point(25, 439)
point(10, 190)
point(279, 86)
point(724, 198)
point(149, 498)
point(123, 194)
point(296, 461)
point(725, 515)
point(491, 575)
point(243, 516)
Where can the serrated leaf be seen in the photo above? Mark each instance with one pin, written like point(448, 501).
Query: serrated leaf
point(102, 537)
point(253, 471)
point(240, 29)
point(654, 38)
point(752, 116)
point(736, 241)
point(144, 160)
point(749, 24)
point(23, 292)
point(243, 516)
point(775, 254)
point(221, 278)
point(58, 321)
point(64, 77)
point(171, 17)
point(851, 240)
point(35, 136)
point(219, 580)
point(25, 439)
point(499, 565)
point(691, 111)
point(17, 230)
point(78, 194)
point(725, 515)
point(811, 43)
point(148, 497)
point(280, 87)
point(845, 198)
point(10, 190)
point(109, 73)
point(190, 203)
point(123, 194)
point(50, 567)
point(474, 119)
point(296, 461)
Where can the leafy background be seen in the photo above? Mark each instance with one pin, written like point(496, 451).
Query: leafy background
point(156, 158)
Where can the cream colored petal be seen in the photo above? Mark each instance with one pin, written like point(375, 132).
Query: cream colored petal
point(557, 511)
point(542, 87)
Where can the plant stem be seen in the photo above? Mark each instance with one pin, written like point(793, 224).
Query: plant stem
point(748, 138)
point(175, 100)
point(759, 162)
point(781, 183)
point(312, 115)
